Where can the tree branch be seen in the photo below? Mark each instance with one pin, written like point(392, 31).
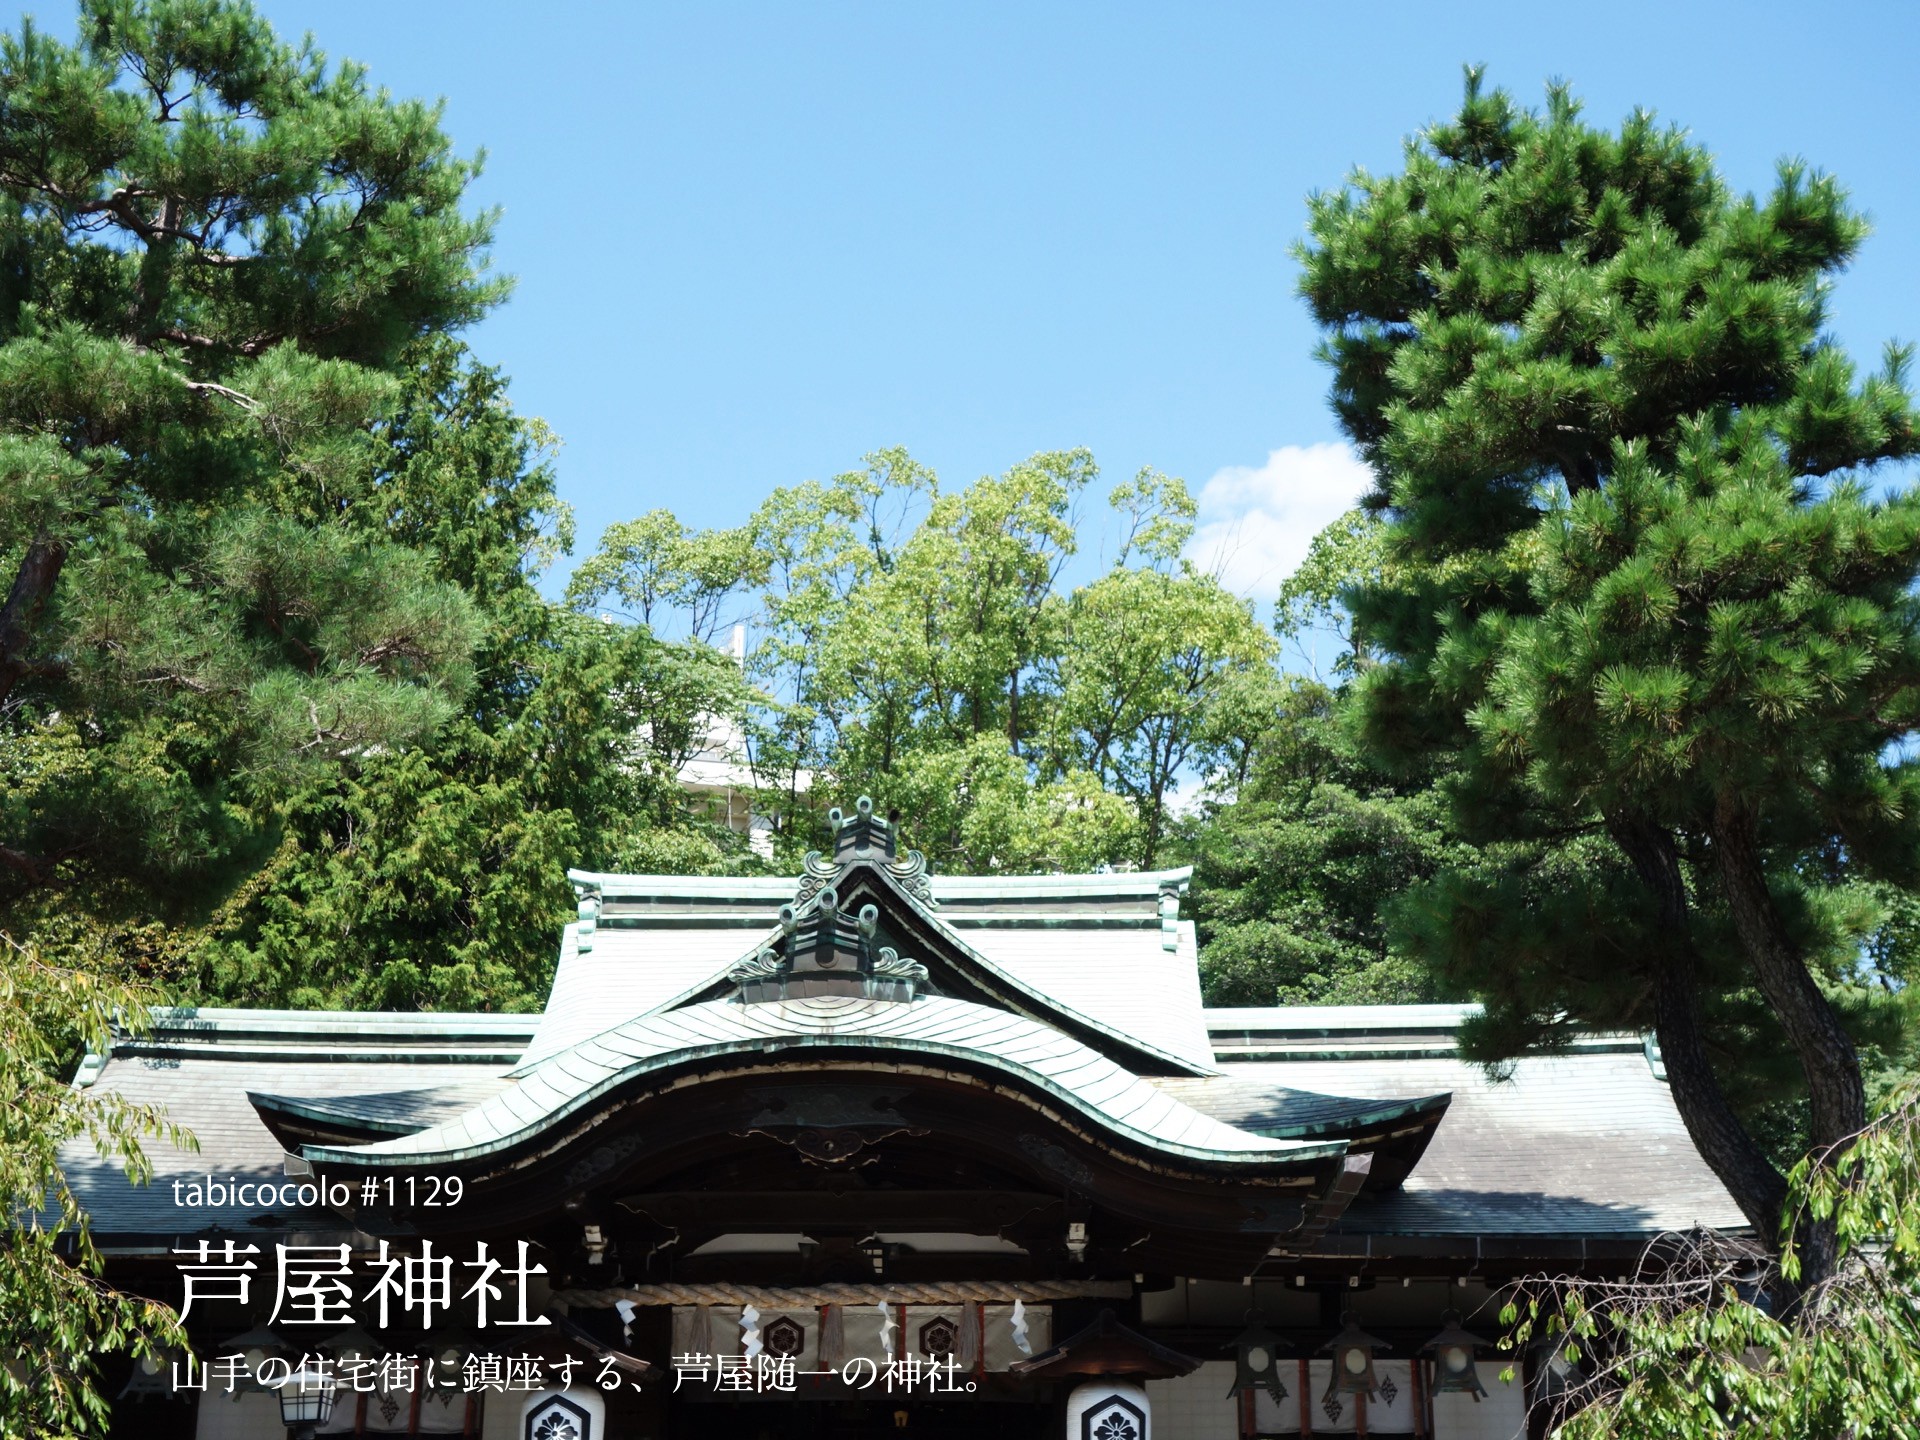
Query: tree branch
point(32, 584)
point(34, 869)
point(1826, 1051)
point(208, 387)
point(1724, 1143)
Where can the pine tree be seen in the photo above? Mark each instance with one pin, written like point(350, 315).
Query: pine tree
point(214, 251)
point(434, 875)
point(1646, 591)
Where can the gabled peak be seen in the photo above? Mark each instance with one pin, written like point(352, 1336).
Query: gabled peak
point(1102, 958)
point(863, 838)
point(825, 950)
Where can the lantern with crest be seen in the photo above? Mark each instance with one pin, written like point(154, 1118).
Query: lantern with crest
point(1257, 1362)
point(1353, 1359)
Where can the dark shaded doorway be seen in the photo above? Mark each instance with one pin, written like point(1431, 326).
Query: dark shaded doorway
point(869, 1419)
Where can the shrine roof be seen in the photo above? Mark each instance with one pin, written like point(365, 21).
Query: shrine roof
point(1583, 1143)
point(199, 1066)
point(1097, 890)
point(934, 1029)
point(1106, 949)
point(1126, 981)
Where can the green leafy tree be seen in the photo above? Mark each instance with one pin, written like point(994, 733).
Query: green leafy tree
point(214, 252)
point(818, 543)
point(1296, 867)
point(946, 635)
point(1639, 591)
point(657, 567)
point(434, 875)
point(1301, 846)
point(977, 807)
point(1146, 661)
point(921, 646)
point(57, 1318)
point(1309, 607)
point(1691, 1352)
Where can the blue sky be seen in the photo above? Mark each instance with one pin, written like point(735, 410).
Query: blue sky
point(756, 241)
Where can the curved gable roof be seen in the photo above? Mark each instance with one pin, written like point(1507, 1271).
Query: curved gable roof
point(939, 1029)
point(1100, 956)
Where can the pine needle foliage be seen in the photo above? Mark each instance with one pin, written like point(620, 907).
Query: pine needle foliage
point(215, 249)
point(1647, 591)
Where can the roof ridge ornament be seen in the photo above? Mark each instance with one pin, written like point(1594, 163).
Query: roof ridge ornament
point(825, 950)
point(588, 910)
point(857, 836)
point(863, 836)
point(914, 877)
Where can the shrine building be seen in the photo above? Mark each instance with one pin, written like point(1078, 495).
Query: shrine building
point(870, 1152)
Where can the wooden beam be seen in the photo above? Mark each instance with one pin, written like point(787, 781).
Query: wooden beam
point(746, 1212)
point(1354, 1170)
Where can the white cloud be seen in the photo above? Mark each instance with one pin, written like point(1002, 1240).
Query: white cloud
point(1255, 522)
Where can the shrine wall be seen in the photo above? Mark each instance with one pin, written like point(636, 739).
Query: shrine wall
point(1502, 1415)
point(1196, 1406)
point(501, 1419)
point(239, 1417)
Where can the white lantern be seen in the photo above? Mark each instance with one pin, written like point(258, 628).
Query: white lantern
point(1109, 1410)
point(564, 1415)
point(306, 1399)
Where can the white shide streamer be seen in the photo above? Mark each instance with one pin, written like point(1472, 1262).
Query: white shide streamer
point(750, 1345)
point(1018, 1322)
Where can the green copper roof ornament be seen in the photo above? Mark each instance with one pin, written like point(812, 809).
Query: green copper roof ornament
point(863, 837)
point(825, 950)
point(589, 917)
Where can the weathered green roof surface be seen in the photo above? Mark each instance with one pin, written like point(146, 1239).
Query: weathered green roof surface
point(1080, 993)
point(1099, 946)
point(933, 1029)
point(1585, 1143)
point(199, 1065)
